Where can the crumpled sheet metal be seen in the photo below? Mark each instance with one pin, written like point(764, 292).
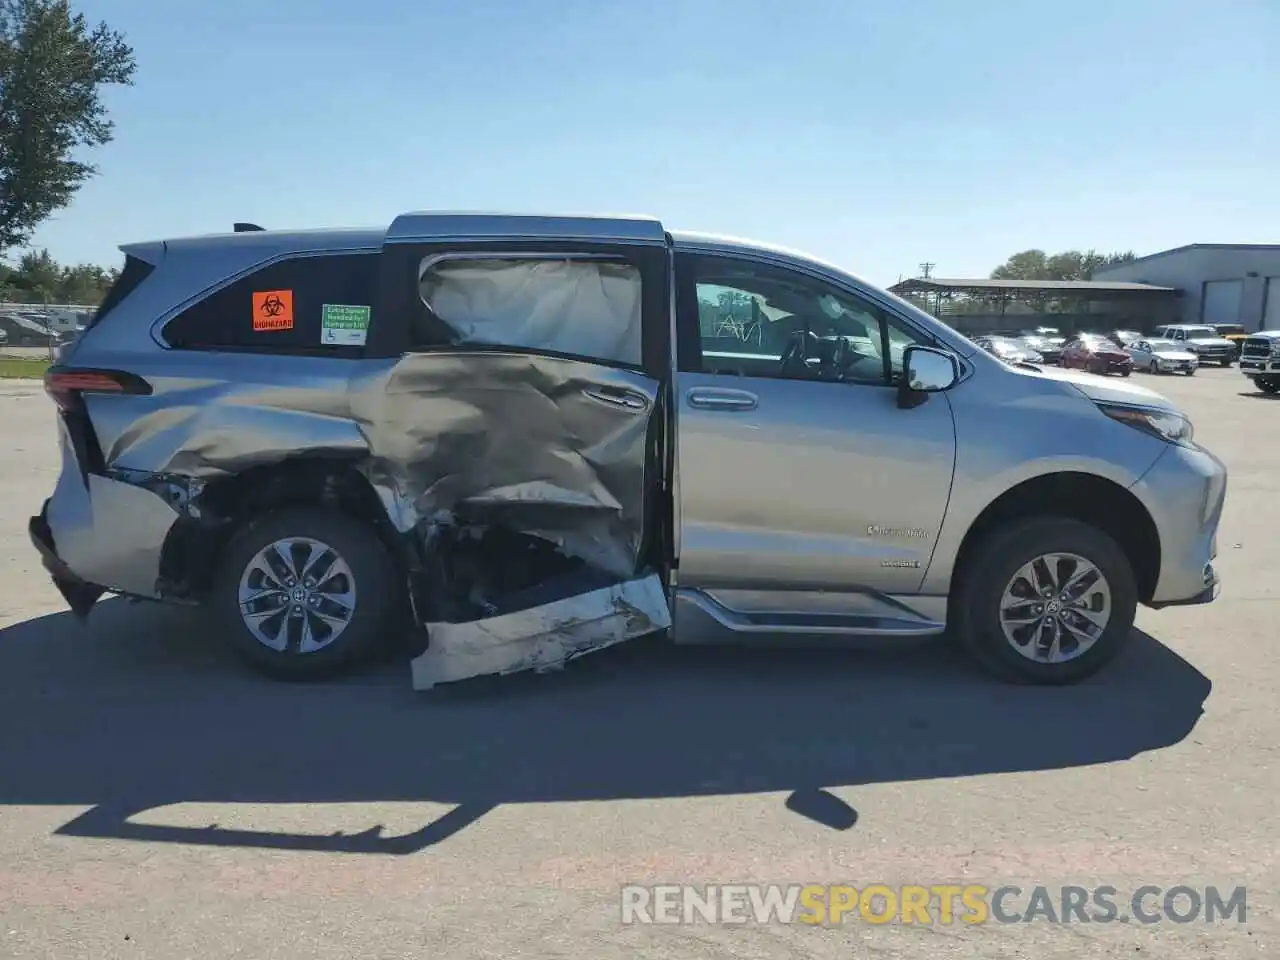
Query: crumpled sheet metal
point(204, 430)
point(543, 637)
point(110, 533)
point(524, 441)
point(502, 438)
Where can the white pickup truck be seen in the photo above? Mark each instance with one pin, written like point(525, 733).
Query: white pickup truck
point(1260, 360)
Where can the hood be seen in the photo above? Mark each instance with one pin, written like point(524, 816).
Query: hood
point(1210, 341)
point(1104, 388)
point(1173, 353)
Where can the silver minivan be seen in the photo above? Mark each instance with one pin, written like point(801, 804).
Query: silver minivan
point(529, 437)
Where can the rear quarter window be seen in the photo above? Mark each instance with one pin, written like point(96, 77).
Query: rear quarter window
point(131, 276)
point(310, 305)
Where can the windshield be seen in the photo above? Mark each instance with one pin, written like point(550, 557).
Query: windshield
point(1201, 332)
point(1163, 345)
point(1225, 328)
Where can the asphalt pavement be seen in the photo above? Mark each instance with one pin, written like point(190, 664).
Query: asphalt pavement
point(159, 801)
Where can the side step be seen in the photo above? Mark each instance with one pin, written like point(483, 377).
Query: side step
point(701, 618)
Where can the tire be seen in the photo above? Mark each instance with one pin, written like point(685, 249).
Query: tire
point(1227, 362)
point(1191, 371)
point(1268, 385)
point(1125, 373)
point(362, 563)
point(992, 567)
point(1153, 367)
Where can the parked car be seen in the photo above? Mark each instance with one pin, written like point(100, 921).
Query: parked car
point(1042, 332)
point(1009, 350)
point(1096, 354)
point(1163, 356)
point(1049, 348)
point(503, 431)
point(1260, 360)
point(1202, 340)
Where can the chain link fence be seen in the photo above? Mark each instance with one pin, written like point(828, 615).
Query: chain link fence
point(41, 329)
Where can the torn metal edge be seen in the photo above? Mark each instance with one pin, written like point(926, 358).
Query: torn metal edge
point(544, 637)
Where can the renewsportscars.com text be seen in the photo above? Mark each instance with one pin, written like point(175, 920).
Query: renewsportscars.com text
point(933, 904)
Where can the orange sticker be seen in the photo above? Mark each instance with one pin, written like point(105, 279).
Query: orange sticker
point(273, 310)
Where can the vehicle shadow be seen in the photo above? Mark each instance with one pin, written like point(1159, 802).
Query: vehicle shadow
point(139, 710)
point(1259, 395)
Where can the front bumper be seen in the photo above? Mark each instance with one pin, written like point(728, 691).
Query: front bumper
point(1184, 491)
point(80, 595)
point(1260, 366)
point(1109, 365)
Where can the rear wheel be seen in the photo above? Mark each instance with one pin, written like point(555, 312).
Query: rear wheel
point(1046, 601)
point(304, 593)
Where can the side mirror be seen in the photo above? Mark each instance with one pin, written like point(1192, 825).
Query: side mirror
point(925, 370)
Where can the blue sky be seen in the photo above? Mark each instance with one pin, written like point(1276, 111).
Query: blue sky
point(877, 135)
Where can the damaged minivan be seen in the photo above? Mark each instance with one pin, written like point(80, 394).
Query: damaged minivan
point(525, 438)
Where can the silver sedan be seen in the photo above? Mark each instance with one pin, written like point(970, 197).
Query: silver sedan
point(1162, 356)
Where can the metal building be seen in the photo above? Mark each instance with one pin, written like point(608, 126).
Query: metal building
point(1220, 282)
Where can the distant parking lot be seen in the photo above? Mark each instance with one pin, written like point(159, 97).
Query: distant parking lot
point(359, 818)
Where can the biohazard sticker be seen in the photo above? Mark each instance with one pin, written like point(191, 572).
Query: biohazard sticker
point(344, 325)
point(273, 310)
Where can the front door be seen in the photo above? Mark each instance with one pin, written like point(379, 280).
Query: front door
point(798, 472)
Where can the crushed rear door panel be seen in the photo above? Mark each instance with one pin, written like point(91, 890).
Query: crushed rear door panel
point(549, 446)
point(517, 441)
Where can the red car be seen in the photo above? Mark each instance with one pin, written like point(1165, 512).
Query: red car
point(1096, 354)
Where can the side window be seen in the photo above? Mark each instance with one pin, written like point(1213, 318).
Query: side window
point(314, 304)
point(758, 320)
point(586, 307)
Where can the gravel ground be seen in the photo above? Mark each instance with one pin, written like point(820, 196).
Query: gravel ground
point(157, 801)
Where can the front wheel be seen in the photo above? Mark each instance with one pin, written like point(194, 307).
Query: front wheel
point(304, 594)
point(1047, 600)
point(1268, 385)
point(1191, 371)
point(1153, 367)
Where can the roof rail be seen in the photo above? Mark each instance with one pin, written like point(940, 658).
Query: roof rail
point(246, 228)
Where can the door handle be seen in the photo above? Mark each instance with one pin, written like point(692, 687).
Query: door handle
point(706, 398)
point(617, 398)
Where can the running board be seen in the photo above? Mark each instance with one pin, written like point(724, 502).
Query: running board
point(700, 618)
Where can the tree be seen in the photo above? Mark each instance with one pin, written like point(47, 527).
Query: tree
point(1068, 265)
point(38, 278)
point(53, 65)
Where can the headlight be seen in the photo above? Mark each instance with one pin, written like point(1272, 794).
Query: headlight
point(1275, 348)
point(1165, 424)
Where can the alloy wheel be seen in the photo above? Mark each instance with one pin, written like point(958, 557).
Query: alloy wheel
point(1055, 608)
point(297, 595)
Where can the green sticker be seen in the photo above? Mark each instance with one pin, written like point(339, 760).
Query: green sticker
point(344, 325)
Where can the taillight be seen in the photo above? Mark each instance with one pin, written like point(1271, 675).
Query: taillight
point(64, 385)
